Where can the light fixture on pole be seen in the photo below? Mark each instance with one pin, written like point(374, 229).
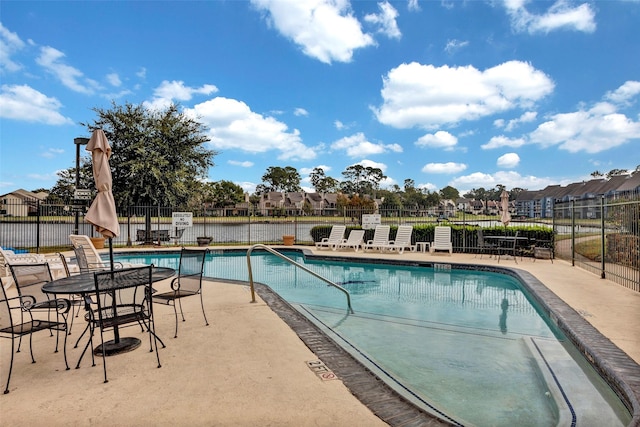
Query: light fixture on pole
point(76, 193)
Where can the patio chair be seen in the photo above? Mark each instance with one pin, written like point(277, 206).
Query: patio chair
point(441, 240)
point(123, 298)
point(92, 261)
point(336, 236)
point(354, 241)
point(17, 320)
point(380, 238)
point(188, 283)
point(484, 245)
point(509, 249)
point(402, 240)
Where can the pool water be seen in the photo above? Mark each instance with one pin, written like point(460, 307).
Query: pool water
point(467, 346)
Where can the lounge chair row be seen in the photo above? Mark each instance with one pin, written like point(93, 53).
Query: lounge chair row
point(381, 241)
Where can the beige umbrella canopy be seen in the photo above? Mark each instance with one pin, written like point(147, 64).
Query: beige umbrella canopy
point(102, 213)
point(505, 218)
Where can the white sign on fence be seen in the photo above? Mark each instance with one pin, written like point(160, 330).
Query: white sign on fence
point(369, 221)
point(182, 219)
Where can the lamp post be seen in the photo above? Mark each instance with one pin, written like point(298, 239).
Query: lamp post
point(78, 142)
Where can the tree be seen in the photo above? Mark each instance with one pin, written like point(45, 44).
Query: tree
point(63, 189)
point(281, 179)
point(158, 156)
point(449, 193)
point(322, 183)
point(362, 180)
point(226, 193)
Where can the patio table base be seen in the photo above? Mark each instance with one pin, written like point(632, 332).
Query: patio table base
point(113, 348)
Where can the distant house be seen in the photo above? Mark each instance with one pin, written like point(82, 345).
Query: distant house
point(21, 202)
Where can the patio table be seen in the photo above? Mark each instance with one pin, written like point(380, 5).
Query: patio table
point(84, 284)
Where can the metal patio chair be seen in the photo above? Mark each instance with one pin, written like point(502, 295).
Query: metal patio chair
point(123, 298)
point(17, 318)
point(188, 283)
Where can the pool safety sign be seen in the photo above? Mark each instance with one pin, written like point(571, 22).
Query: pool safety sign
point(182, 219)
point(369, 221)
point(321, 370)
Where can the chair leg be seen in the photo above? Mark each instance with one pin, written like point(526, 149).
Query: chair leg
point(203, 313)
point(175, 312)
point(6, 389)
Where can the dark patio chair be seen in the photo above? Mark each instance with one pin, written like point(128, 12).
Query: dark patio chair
point(123, 298)
point(510, 249)
point(188, 283)
point(89, 267)
point(29, 279)
point(484, 245)
point(17, 319)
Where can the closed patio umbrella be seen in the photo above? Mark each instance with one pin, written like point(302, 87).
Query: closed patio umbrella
point(102, 213)
point(505, 218)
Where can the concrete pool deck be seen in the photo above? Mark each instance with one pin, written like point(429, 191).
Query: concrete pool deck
point(249, 367)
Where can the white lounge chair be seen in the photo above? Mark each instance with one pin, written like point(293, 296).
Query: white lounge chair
point(402, 240)
point(8, 257)
point(354, 241)
point(380, 239)
point(441, 240)
point(336, 236)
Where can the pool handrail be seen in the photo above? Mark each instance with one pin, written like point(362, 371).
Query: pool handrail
point(290, 261)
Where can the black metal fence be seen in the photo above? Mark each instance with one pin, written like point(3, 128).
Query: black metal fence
point(601, 235)
point(47, 226)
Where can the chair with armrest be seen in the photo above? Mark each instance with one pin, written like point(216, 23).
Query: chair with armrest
point(484, 245)
point(188, 283)
point(17, 320)
point(402, 240)
point(441, 240)
point(123, 298)
point(510, 249)
point(354, 241)
point(380, 238)
point(335, 236)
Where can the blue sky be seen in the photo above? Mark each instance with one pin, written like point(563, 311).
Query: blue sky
point(463, 93)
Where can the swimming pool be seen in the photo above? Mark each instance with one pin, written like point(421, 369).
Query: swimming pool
point(467, 346)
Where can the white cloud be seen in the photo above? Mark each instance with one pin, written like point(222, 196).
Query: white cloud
point(357, 145)
point(454, 45)
point(413, 5)
point(244, 164)
point(625, 93)
point(324, 29)
point(51, 60)
point(503, 141)
point(232, 125)
point(308, 171)
point(449, 167)
point(9, 44)
point(300, 112)
point(508, 161)
point(339, 125)
point(429, 96)
point(597, 129)
point(527, 117)
point(509, 179)
point(560, 15)
point(176, 90)
point(370, 163)
point(21, 102)
point(386, 20)
point(440, 139)
point(114, 79)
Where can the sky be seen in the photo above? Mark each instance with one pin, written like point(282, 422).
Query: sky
point(469, 94)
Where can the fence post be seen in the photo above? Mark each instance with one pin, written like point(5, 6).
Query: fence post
point(573, 233)
point(602, 237)
point(38, 226)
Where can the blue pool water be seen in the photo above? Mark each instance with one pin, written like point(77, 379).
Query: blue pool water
point(468, 344)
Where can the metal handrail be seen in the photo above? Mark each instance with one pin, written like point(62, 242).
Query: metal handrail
point(290, 261)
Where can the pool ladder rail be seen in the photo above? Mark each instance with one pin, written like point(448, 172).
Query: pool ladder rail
point(290, 261)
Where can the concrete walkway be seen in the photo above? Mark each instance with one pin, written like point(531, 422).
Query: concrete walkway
point(248, 367)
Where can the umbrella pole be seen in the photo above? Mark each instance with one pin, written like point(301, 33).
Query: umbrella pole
point(111, 252)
